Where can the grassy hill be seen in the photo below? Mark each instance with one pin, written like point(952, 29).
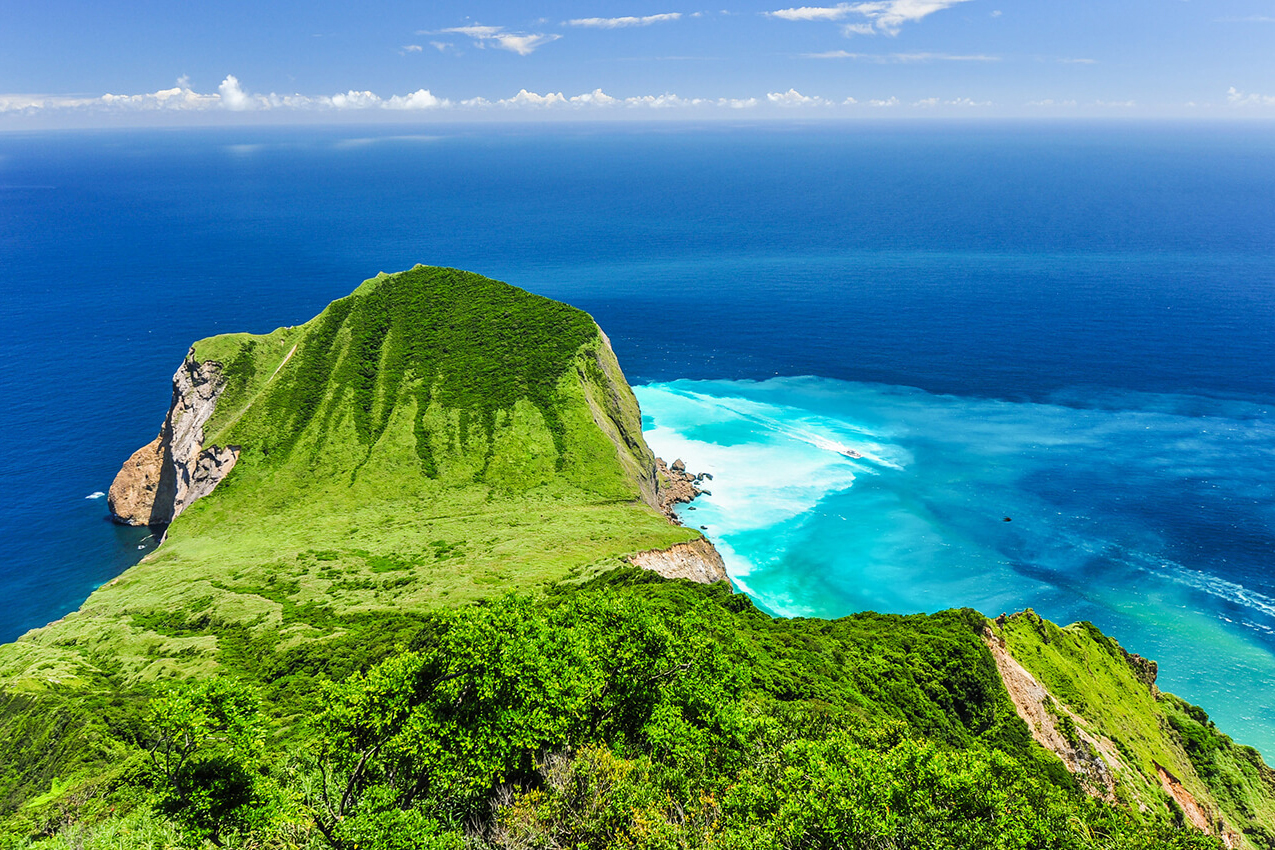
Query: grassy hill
point(405, 620)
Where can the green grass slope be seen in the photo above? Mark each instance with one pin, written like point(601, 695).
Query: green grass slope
point(434, 438)
point(623, 711)
point(1090, 674)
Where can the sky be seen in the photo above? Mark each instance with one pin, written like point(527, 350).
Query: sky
point(280, 61)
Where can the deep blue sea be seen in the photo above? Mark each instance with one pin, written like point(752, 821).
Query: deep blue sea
point(884, 342)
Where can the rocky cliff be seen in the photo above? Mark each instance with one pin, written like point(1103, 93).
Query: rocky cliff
point(696, 560)
point(166, 475)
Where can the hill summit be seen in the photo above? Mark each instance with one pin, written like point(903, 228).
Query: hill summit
point(432, 376)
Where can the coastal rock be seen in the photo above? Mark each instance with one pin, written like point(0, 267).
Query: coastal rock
point(132, 494)
point(1144, 668)
point(696, 560)
point(676, 486)
point(164, 477)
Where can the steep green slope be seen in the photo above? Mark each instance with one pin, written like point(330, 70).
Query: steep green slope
point(434, 438)
point(1164, 750)
point(421, 441)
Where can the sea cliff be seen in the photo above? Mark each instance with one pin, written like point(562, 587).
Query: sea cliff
point(166, 475)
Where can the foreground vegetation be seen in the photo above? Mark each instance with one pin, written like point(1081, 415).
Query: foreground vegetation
point(405, 620)
point(626, 712)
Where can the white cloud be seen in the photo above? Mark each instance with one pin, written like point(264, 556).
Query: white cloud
point(419, 99)
point(355, 100)
point(441, 46)
point(849, 101)
point(927, 103)
point(1235, 97)
point(792, 97)
point(1116, 104)
point(893, 101)
point(966, 101)
point(232, 96)
point(1047, 102)
point(627, 21)
point(887, 16)
point(527, 98)
point(178, 98)
point(599, 99)
point(596, 97)
point(22, 102)
point(521, 43)
point(661, 101)
point(412, 48)
point(1079, 61)
point(813, 13)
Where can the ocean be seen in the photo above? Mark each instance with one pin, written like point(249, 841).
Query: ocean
point(928, 365)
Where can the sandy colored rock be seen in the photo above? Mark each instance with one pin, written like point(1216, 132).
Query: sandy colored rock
point(132, 495)
point(676, 486)
point(162, 478)
point(697, 560)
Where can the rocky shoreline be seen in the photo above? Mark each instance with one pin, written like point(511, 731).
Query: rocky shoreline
point(676, 486)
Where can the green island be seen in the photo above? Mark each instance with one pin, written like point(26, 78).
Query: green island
point(400, 604)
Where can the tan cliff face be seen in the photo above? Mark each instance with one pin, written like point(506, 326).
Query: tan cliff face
point(696, 560)
point(165, 476)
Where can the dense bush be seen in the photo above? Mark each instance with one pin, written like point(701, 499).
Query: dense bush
point(628, 713)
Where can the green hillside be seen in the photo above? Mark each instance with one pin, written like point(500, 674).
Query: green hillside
point(405, 620)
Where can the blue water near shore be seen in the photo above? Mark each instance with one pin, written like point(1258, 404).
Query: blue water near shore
point(1071, 326)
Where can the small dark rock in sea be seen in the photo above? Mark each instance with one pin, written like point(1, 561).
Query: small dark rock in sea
point(704, 527)
point(1008, 519)
point(706, 492)
point(678, 465)
point(691, 508)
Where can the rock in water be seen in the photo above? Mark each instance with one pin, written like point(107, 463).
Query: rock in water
point(165, 476)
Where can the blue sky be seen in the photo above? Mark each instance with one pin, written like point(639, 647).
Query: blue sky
point(279, 61)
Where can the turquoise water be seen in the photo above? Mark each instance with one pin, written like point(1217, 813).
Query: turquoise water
point(830, 497)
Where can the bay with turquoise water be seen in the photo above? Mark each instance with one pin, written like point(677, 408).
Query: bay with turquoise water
point(1002, 366)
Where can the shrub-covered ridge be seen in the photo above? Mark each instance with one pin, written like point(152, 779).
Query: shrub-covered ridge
point(626, 712)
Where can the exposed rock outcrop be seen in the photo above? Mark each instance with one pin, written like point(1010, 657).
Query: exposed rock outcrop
point(1054, 727)
point(696, 560)
point(1195, 813)
point(676, 486)
point(1144, 668)
point(165, 476)
point(132, 495)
